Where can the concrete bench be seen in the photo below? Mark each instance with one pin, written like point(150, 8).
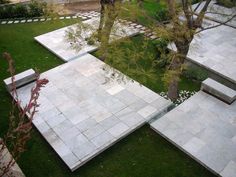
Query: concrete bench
point(219, 90)
point(21, 79)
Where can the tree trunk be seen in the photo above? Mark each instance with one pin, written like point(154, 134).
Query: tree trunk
point(111, 15)
point(176, 68)
point(102, 19)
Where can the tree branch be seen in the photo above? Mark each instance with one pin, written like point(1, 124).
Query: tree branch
point(220, 24)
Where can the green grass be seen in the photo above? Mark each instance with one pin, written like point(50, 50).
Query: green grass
point(143, 153)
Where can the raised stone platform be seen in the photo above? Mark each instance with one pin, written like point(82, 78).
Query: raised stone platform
point(205, 128)
point(215, 50)
point(56, 42)
point(20, 79)
point(218, 90)
point(82, 113)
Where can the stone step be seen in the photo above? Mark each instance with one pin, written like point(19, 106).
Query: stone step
point(219, 90)
point(21, 79)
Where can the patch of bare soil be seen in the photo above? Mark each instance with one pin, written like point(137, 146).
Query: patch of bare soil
point(73, 8)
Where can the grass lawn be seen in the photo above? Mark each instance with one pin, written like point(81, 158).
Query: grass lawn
point(142, 154)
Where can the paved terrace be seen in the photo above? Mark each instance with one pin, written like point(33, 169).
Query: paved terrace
point(205, 128)
point(82, 113)
point(215, 50)
point(56, 42)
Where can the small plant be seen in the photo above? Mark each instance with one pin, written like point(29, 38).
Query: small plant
point(161, 51)
point(183, 95)
point(162, 15)
point(227, 3)
point(20, 126)
point(195, 73)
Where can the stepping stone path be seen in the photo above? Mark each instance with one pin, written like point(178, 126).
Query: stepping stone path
point(85, 16)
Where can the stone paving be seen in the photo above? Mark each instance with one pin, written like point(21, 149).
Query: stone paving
point(205, 128)
point(56, 41)
point(219, 13)
point(215, 50)
point(82, 112)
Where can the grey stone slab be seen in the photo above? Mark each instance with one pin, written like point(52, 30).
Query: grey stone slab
point(84, 150)
point(147, 111)
point(229, 170)
point(3, 22)
point(56, 120)
point(76, 141)
point(21, 79)
point(94, 131)
point(81, 117)
point(118, 130)
point(70, 159)
point(102, 139)
point(110, 122)
point(219, 90)
point(56, 42)
point(86, 124)
point(60, 148)
point(194, 145)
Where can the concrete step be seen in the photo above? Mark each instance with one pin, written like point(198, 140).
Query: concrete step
point(21, 79)
point(219, 90)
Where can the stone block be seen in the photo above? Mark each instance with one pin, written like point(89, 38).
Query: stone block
point(219, 90)
point(21, 79)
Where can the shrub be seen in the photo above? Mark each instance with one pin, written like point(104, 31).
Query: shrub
point(162, 14)
point(20, 11)
point(161, 52)
point(195, 73)
point(34, 9)
point(227, 3)
point(4, 1)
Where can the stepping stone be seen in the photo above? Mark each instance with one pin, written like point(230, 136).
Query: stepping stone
point(21, 79)
point(149, 34)
point(84, 18)
point(4, 22)
point(30, 20)
point(61, 18)
point(153, 37)
point(74, 16)
point(143, 28)
point(10, 22)
point(36, 20)
point(90, 16)
point(139, 26)
point(219, 90)
point(17, 21)
point(142, 31)
point(43, 19)
point(23, 21)
point(48, 19)
point(68, 17)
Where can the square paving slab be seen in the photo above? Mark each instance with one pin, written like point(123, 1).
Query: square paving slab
point(82, 113)
point(56, 41)
point(205, 128)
